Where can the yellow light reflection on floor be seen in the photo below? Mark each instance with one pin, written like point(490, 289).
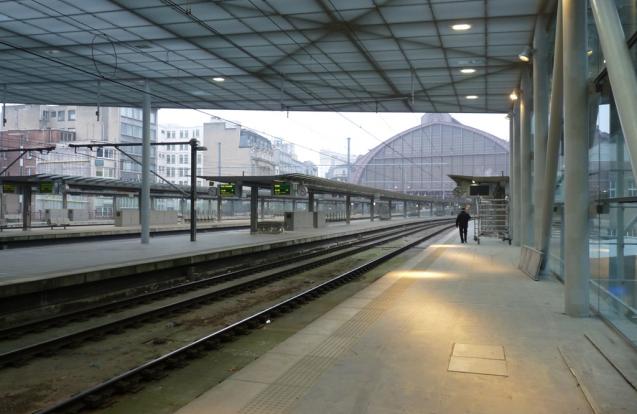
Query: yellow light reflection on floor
point(419, 274)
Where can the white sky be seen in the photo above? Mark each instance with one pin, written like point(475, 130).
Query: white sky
point(313, 131)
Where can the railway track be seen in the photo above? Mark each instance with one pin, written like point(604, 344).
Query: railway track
point(134, 379)
point(206, 290)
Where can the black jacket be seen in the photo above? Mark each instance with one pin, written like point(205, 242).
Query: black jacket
point(463, 219)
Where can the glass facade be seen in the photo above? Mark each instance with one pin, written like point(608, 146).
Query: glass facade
point(418, 161)
point(612, 197)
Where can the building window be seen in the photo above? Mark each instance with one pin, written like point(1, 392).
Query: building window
point(72, 115)
point(60, 115)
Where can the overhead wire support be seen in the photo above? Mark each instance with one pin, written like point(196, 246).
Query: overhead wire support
point(23, 152)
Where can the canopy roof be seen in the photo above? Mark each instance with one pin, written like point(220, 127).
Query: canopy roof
point(97, 185)
point(317, 185)
point(325, 55)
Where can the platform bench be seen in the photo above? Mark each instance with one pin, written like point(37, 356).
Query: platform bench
point(270, 227)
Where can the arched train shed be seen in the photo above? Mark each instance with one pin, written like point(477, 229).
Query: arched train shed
point(419, 160)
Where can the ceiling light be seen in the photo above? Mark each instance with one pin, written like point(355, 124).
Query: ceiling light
point(460, 27)
point(525, 55)
point(471, 97)
point(514, 96)
point(218, 79)
point(589, 53)
point(467, 70)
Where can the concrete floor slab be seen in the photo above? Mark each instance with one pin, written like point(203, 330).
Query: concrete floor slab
point(478, 351)
point(478, 366)
point(392, 356)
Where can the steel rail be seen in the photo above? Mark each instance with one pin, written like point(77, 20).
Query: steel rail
point(82, 314)
point(47, 347)
point(96, 395)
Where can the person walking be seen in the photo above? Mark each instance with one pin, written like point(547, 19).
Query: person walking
point(462, 223)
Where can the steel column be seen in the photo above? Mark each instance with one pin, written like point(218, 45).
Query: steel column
point(576, 255)
point(517, 175)
point(310, 201)
point(526, 208)
point(193, 190)
point(26, 206)
point(621, 72)
point(144, 200)
point(254, 204)
point(348, 208)
point(553, 144)
point(512, 183)
point(540, 112)
point(371, 208)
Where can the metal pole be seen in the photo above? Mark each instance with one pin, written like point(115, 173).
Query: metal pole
point(576, 255)
point(512, 183)
point(349, 165)
point(405, 209)
point(348, 208)
point(371, 208)
point(218, 208)
point(254, 204)
point(26, 206)
point(553, 144)
point(144, 201)
point(193, 190)
point(526, 234)
point(518, 176)
point(310, 201)
point(540, 111)
point(621, 71)
point(219, 159)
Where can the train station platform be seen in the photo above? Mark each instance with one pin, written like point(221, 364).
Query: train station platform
point(12, 237)
point(35, 269)
point(456, 329)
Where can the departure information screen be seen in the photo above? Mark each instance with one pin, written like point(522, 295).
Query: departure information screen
point(46, 187)
point(227, 190)
point(281, 189)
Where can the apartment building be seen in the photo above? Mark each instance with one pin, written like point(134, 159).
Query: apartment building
point(115, 125)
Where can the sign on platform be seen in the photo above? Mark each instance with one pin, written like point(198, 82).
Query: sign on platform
point(282, 189)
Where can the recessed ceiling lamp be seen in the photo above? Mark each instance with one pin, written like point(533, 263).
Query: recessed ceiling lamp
point(589, 53)
point(514, 96)
point(53, 51)
point(218, 79)
point(525, 55)
point(471, 97)
point(461, 27)
point(467, 70)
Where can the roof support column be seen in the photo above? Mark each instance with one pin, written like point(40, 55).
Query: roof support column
point(526, 207)
point(254, 205)
point(219, 208)
point(553, 144)
point(621, 72)
point(193, 190)
point(144, 200)
point(26, 206)
point(576, 255)
point(512, 184)
point(517, 194)
point(404, 209)
point(389, 205)
point(540, 111)
point(372, 203)
point(310, 201)
point(348, 208)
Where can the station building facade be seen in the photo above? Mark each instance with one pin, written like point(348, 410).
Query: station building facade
point(418, 161)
